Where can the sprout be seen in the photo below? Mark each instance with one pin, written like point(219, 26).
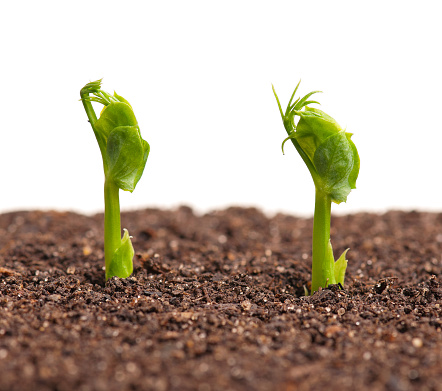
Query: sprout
point(124, 155)
point(333, 162)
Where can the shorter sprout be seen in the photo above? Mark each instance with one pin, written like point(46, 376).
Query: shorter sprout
point(124, 155)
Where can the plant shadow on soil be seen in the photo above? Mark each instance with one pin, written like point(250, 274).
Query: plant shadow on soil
point(216, 303)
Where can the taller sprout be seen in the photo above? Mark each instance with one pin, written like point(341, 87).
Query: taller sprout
point(333, 162)
point(124, 155)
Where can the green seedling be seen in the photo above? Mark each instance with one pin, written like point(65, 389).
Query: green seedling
point(124, 155)
point(333, 162)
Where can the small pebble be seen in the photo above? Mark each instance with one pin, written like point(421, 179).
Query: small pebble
point(413, 374)
point(222, 239)
point(417, 342)
point(366, 356)
point(87, 250)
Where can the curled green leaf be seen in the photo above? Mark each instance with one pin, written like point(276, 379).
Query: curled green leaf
point(126, 155)
point(123, 150)
point(327, 150)
point(333, 160)
point(114, 115)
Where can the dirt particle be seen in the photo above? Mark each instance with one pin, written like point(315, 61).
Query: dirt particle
point(413, 374)
point(417, 342)
point(366, 356)
point(131, 367)
point(222, 239)
point(70, 270)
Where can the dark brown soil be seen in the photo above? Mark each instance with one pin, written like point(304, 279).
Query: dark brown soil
point(216, 303)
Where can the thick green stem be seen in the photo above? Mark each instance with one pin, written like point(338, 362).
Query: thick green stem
point(323, 261)
point(112, 224)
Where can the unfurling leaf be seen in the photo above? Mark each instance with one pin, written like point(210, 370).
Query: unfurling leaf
point(331, 152)
point(334, 162)
point(126, 155)
point(123, 150)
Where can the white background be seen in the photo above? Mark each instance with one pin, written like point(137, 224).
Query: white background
point(198, 75)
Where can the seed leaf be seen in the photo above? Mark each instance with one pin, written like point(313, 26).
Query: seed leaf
point(121, 264)
point(340, 268)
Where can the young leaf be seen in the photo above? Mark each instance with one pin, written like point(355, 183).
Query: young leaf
point(356, 163)
point(331, 152)
point(340, 268)
point(314, 127)
point(121, 263)
point(112, 116)
point(123, 150)
point(333, 160)
point(121, 99)
point(146, 149)
point(329, 265)
point(125, 154)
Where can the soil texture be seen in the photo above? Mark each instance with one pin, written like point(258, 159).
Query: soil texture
point(216, 303)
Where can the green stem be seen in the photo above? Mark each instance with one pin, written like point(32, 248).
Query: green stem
point(89, 109)
point(112, 224)
point(92, 117)
point(323, 261)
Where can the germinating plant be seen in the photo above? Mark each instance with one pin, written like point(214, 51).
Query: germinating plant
point(124, 155)
point(333, 162)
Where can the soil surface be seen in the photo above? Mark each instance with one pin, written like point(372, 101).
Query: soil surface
point(216, 303)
